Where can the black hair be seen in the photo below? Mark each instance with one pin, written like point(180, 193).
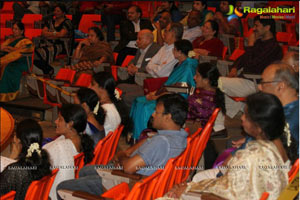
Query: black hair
point(178, 29)
point(20, 25)
point(184, 46)
point(214, 26)
point(175, 105)
point(106, 81)
point(211, 72)
point(29, 132)
point(266, 20)
point(173, 6)
point(98, 32)
point(89, 96)
point(267, 112)
point(137, 9)
point(204, 2)
point(62, 7)
point(76, 114)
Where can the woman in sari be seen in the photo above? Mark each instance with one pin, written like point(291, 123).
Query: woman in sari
point(261, 167)
point(92, 51)
point(183, 74)
point(12, 63)
point(51, 45)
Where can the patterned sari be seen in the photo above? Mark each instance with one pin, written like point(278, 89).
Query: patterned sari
point(142, 108)
point(12, 64)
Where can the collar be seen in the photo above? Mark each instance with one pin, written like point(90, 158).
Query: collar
point(181, 132)
point(146, 49)
point(171, 46)
point(138, 22)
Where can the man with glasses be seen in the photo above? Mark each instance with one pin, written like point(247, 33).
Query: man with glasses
point(147, 155)
point(262, 50)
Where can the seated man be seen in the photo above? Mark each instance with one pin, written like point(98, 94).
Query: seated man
point(160, 27)
point(262, 50)
point(192, 30)
point(128, 33)
point(162, 64)
point(147, 49)
point(169, 117)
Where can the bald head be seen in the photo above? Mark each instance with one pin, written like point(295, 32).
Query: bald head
point(279, 79)
point(144, 38)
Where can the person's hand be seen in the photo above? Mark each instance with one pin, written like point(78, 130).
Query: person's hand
point(132, 69)
point(218, 16)
point(85, 42)
point(157, 25)
point(151, 96)
point(159, 9)
point(177, 191)
point(201, 52)
point(238, 143)
point(233, 72)
point(252, 38)
point(97, 63)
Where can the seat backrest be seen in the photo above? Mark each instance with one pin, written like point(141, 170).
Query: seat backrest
point(84, 80)
point(65, 75)
point(152, 84)
point(4, 32)
point(127, 61)
point(40, 189)
point(29, 19)
point(4, 18)
point(283, 37)
point(203, 139)
point(31, 33)
point(86, 22)
point(9, 196)
point(7, 7)
point(78, 163)
point(115, 55)
point(118, 192)
point(115, 141)
point(294, 170)
point(99, 154)
point(224, 52)
point(144, 189)
point(236, 54)
point(213, 9)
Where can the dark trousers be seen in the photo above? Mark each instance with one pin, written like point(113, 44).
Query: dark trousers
point(20, 11)
point(111, 21)
point(123, 53)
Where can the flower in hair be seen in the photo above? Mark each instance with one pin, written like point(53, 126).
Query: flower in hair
point(95, 111)
point(191, 54)
point(33, 147)
point(287, 134)
point(117, 94)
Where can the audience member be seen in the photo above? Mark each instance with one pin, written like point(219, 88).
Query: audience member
point(170, 7)
point(208, 43)
point(92, 52)
point(269, 148)
point(128, 33)
point(147, 155)
point(116, 113)
point(147, 49)
point(57, 28)
point(205, 14)
point(112, 14)
point(182, 75)
point(70, 125)
point(229, 24)
point(192, 30)
point(261, 51)
point(13, 63)
point(206, 97)
point(162, 64)
point(32, 161)
point(27, 7)
point(89, 101)
point(160, 27)
point(292, 58)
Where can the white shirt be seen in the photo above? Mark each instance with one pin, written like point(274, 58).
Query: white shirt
point(112, 117)
point(34, 6)
point(61, 152)
point(4, 162)
point(132, 44)
point(162, 63)
point(191, 33)
point(141, 58)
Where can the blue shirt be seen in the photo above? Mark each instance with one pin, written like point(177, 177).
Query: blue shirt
point(291, 112)
point(156, 151)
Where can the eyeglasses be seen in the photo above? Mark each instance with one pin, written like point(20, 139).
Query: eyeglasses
point(265, 82)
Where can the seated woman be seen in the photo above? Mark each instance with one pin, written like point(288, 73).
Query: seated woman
point(183, 74)
point(51, 44)
point(92, 51)
point(89, 101)
point(206, 97)
point(261, 167)
point(26, 149)
point(104, 85)
point(12, 64)
point(208, 44)
point(70, 124)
